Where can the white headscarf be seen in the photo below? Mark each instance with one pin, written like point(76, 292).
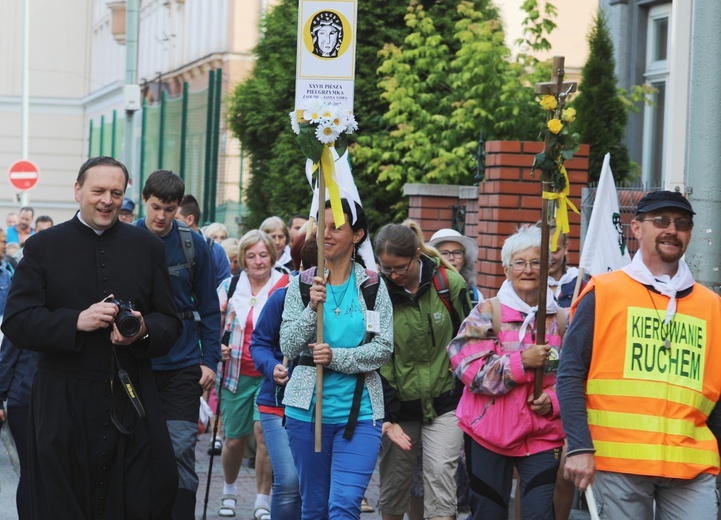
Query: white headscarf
point(664, 284)
point(244, 301)
point(508, 297)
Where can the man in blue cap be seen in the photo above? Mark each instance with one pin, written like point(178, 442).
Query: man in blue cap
point(640, 377)
point(127, 211)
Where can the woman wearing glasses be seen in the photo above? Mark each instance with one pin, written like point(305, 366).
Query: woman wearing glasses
point(504, 426)
point(461, 252)
point(357, 335)
point(423, 391)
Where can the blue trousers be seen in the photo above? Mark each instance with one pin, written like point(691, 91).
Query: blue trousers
point(332, 482)
point(285, 500)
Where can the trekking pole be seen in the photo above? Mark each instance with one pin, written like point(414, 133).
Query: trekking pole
point(224, 341)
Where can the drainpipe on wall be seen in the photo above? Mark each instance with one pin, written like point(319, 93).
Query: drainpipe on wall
point(132, 89)
point(704, 143)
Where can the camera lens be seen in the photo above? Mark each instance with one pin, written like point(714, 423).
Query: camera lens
point(128, 325)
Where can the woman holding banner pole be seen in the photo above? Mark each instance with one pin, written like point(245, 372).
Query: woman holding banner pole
point(495, 355)
point(358, 339)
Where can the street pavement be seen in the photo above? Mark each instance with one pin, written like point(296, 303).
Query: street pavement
point(9, 470)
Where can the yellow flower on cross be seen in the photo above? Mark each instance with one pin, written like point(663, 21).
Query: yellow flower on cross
point(549, 102)
point(555, 126)
point(569, 115)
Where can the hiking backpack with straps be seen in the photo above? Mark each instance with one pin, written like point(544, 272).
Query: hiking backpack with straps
point(185, 237)
point(369, 287)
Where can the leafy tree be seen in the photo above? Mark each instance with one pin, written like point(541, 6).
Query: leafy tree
point(602, 112)
point(425, 90)
point(258, 110)
point(443, 90)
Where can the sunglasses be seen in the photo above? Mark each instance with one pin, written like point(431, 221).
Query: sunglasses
point(662, 222)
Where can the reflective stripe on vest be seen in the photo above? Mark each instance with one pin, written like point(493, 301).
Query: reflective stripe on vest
point(648, 401)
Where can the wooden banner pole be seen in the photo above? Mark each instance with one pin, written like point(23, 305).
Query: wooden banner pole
point(319, 324)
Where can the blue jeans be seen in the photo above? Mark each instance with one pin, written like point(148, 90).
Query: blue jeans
point(332, 483)
point(285, 500)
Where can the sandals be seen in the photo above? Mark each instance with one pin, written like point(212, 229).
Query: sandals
point(261, 513)
point(227, 506)
point(366, 507)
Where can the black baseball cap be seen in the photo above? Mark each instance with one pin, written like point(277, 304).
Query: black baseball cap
point(663, 199)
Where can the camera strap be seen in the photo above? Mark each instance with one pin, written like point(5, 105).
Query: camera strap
point(129, 390)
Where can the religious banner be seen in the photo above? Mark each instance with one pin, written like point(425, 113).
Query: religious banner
point(326, 52)
point(322, 120)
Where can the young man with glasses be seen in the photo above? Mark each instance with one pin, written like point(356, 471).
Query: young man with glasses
point(641, 375)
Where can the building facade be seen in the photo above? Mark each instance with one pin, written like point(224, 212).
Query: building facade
point(652, 41)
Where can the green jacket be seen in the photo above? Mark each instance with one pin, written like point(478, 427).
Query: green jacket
point(418, 372)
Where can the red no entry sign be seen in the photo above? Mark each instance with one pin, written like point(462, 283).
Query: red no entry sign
point(23, 175)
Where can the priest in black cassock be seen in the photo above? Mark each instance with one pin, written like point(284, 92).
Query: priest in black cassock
point(99, 446)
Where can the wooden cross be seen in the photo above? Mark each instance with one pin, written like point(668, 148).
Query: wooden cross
point(556, 84)
point(560, 89)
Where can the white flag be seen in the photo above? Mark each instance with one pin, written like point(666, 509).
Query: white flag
point(348, 190)
point(605, 249)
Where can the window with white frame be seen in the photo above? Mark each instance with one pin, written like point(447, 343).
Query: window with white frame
point(656, 75)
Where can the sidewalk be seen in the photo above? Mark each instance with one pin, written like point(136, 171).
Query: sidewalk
point(9, 470)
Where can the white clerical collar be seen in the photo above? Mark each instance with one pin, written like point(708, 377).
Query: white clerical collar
point(97, 231)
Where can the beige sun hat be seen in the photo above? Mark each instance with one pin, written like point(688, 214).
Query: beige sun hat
point(451, 235)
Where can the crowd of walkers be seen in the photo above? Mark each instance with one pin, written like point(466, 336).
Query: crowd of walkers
point(450, 395)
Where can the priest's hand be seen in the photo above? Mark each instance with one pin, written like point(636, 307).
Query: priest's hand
point(99, 315)
point(116, 338)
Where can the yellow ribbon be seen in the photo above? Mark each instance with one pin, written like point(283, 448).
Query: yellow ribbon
point(562, 225)
point(328, 169)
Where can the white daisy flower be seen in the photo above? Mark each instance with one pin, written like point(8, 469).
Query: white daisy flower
point(351, 124)
point(325, 133)
point(294, 122)
point(313, 111)
point(328, 113)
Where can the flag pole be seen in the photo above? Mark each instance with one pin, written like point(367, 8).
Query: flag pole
point(579, 281)
point(319, 236)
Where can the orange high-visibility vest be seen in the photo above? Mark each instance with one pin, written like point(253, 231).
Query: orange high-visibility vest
point(651, 386)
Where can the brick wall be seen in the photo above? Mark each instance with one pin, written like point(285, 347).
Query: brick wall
point(507, 198)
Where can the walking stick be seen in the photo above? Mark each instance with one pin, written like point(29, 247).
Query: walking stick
point(319, 324)
point(224, 341)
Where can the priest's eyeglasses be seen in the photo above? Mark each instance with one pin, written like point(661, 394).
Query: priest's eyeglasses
point(663, 221)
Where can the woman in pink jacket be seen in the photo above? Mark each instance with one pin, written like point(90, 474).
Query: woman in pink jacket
point(504, 426)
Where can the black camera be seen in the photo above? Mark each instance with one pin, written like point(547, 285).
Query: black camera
point(127, 323)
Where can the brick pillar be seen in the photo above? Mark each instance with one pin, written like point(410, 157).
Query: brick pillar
point(431, 205)
point(510, 197)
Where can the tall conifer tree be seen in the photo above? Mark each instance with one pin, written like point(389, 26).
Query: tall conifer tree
point(602, 114)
